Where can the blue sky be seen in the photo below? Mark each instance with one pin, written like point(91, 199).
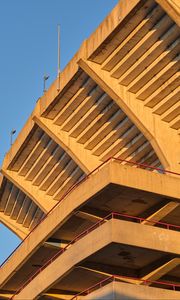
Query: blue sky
point(28, 32)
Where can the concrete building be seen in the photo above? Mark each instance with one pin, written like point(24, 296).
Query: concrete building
point(91, 185)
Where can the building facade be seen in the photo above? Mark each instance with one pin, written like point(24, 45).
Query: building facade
point(91, 185)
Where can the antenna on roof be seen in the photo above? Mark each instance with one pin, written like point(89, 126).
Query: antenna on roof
point(58, 75)
point(13, 131)
point(45, 78)
point(58, 49)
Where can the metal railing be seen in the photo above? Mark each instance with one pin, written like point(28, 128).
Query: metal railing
point(144, 166)
point(112, 215)
point(113, 278)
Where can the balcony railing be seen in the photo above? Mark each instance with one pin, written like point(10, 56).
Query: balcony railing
point(116, 278)
point(139, 165)
point(113, 215)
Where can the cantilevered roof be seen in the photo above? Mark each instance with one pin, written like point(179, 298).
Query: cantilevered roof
point(97, 124)
point(17, 210)
point(118, 96)
point(41, 173)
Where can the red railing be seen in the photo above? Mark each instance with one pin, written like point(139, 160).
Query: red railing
point(49, 212)
point(81, 181)
point(113, 215)
point(77, 184)
point(120, 278)
point(144, 166)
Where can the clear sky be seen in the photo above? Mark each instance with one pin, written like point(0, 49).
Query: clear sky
point(28, 51)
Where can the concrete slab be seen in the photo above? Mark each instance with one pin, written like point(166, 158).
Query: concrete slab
point(109, 173)
point(122, 291)
point(132, 234)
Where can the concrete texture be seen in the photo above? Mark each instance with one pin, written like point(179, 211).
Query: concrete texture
point(118, 97)
point(137, 235)
point(119, 290)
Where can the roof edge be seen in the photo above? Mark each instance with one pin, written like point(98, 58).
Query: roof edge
point(172, 8)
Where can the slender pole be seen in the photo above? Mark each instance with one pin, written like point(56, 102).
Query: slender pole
point(13, 131)
point(58, 50)
point(44, 82)
point(11, 139)
point(58, 88)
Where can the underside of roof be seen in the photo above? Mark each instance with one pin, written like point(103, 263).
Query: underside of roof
point(118, 97)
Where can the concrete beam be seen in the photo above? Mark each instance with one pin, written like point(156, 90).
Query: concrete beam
point(113, 231)
point(5, 296)
point(161, 213)
point(39, 197)
point(55, 245)
point(76, 151)
point(155, 274)
point(88, 216)
point(104, 269)
point(162, 270)
point(58, 296)
point(139, 114)
point(152, 276)
point(172, 8)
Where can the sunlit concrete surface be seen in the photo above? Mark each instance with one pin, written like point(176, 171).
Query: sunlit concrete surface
point(119, 290)
point(105, 238)
point(102, 141)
